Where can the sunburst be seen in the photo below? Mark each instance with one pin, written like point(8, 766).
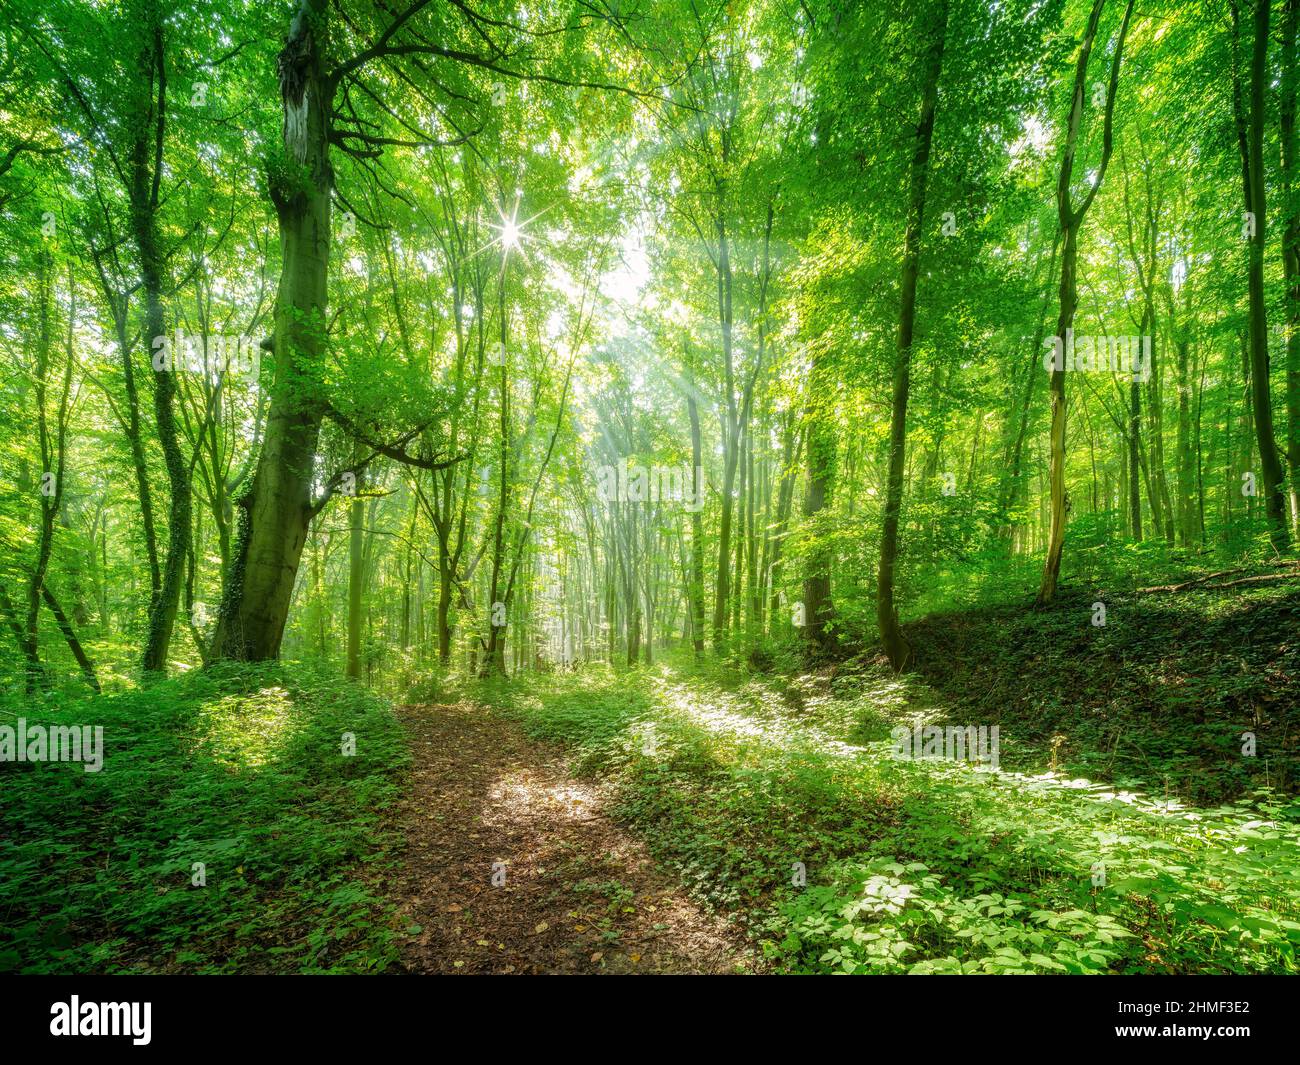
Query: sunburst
point(511, 233)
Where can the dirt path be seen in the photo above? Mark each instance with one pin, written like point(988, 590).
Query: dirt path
point(579, 895)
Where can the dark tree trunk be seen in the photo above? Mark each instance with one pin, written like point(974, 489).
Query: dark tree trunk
point(146, 166)
point(1071, 220)
point(1291, 246)
point(891, 635)
point(1251, 144)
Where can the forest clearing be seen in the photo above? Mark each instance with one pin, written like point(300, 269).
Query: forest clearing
point(663, 487)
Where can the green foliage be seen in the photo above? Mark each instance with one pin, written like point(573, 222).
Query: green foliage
point(237, 768)
point(918, 866)
point(876, 917)
point(1162, 693)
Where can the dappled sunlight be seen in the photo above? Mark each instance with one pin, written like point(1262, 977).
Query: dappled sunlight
point(226, 833)
point(723, 715)
point(1006, 871)
point(517, 867)
point(523, 796)
point(822, 469)
point(758, 711)
point(246, 731)
point(763, 718)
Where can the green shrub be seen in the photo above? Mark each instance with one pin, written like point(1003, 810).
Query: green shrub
point(238, 768)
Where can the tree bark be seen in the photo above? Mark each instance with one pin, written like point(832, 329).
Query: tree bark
point(356, 574)
point(891, 635)
point(1071, 221)
point(276, 510)
point(1291, 247)
point(697, 524)
point(1269, 483)
point(146, 167)
point(730, 433)
point(818, 609)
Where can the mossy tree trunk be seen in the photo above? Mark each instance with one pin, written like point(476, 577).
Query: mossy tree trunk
point(277, 508)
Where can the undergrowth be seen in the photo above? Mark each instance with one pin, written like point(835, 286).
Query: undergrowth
point(226, 832)
point(839, 857)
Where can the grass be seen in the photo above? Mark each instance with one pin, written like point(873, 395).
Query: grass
point(778, 803)
point(227, 832)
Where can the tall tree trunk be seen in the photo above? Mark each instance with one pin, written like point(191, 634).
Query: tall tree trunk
point(1271, 476)
point(1071, 221)
point(1134, 450)
point(135, 438)
point(356, 573)
point(1186, 474)
point(752, 500)
point(1291, 247)
point(277, 508)
point(1157, 434)
point(51, 446)
point(784, 506)
point(1013, 491)
point(494, 653)
point(818, 610)
point(696, 583)
point(730, 433)
point(146, 168)
point(891, 635)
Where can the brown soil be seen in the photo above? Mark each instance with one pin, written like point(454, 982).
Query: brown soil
point(580, 895)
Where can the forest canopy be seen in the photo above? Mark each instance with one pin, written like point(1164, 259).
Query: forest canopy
point(628, 325)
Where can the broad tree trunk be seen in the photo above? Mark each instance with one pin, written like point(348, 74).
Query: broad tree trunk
point(277, 508)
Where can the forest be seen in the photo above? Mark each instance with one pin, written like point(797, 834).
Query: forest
point(649, 486)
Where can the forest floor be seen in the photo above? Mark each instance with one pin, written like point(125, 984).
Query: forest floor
point(742, 813)
point(1158, 698)
point(513, 867)
point(1127, 830)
